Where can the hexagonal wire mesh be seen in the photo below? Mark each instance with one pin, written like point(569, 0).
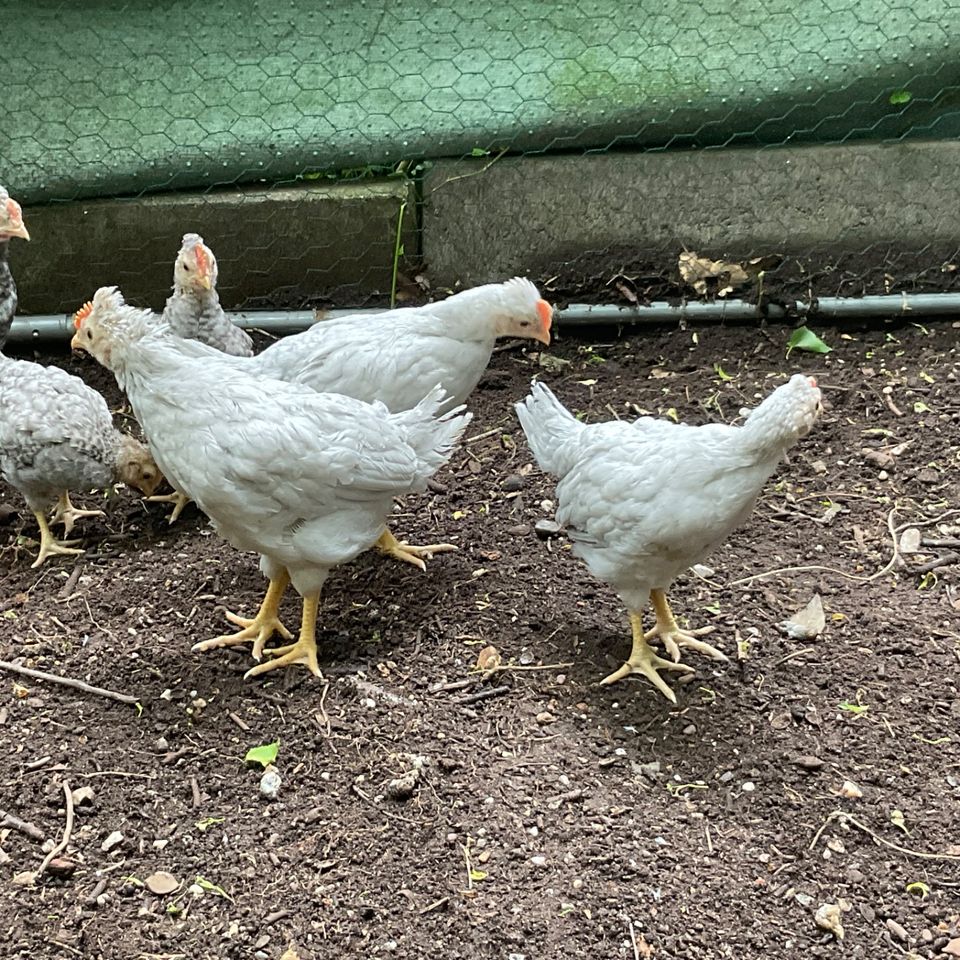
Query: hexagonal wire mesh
point(245, 121)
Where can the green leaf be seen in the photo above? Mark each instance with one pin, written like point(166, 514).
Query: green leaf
point(264, 755)
point(721, 373)
point(921, 407)
point(803, 338)
point(477, 875)
point(207, 822)
point(211, 887)
point(853, 707)
point(899, 97)
point(919, 889)
point(479, 152)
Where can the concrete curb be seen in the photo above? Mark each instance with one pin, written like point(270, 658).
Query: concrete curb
point(275, 247)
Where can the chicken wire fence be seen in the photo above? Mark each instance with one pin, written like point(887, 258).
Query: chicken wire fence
point(343, 150)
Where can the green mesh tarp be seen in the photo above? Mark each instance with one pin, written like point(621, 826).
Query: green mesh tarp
point(108, 98)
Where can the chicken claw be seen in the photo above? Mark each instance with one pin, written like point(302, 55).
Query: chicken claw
point(67, 514)
point(303, 651)
point(645, 662)
point(50, 546)
point(409, 553)
point(261, 628)
point(673, 637)
point(179, 501)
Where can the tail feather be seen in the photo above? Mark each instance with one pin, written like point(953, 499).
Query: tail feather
point(433, 438)
point(548, 426)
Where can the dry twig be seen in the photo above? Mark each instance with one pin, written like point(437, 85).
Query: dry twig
point(68, 682)
point(847, 818)
point(67, 831)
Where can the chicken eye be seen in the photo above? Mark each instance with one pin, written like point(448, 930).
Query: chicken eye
point(89, 334)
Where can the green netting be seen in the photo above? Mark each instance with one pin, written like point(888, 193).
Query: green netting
point(107, 98)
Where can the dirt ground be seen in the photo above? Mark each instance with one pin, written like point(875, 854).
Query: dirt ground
point(549, 817)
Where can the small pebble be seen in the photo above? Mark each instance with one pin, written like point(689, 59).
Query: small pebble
point(112, 841)
point(545, 529)
point(748, 787)
point(519, 530)
point(270, 784)
point(513, 483)
point(539, 861)
point(897, 930)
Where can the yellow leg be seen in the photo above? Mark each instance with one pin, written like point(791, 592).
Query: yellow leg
point(645, 662)
point(303, 651)
point(179, 501)
point(407, 552)
point(261, 628)
point(49, 545)
point(672, 636)
point(67, 514)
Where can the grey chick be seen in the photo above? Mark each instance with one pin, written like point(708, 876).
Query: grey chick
point(57, 435)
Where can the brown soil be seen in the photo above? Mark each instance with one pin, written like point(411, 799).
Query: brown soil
point(598, 822)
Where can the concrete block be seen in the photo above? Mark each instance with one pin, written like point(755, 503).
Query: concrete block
point(276, 247)
point(551, 216)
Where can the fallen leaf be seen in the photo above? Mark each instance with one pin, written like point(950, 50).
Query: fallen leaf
point(803, 338)
point(552, 363)
point(807, 623)
point(488, 658)
point(696, 271)
point(161, 883)
point(827, 918)
point(264, 755)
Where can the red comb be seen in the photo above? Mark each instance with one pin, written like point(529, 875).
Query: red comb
point(13, 209)
point(202, 263)
point(545, 312)
point(812, 381)
point(82, 314)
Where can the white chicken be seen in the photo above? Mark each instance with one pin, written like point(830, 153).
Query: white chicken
point(396, 356)
point(306, 479)
point(643, 501)
point(57, 435)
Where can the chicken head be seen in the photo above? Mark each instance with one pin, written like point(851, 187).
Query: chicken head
point(523, 312)
point(196, 266)
point(93, 334)
point(11, 218)
point(136, 466)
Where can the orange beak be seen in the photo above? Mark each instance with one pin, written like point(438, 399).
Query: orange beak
point(545, 313)
point(13, 225)
point(75, 342)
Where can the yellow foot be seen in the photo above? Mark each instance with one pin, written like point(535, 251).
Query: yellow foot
point(179, 501)
point(409, 553)
point(260, 629)
point(674, 638)
point(303, 651)
point(67, 514)
point(50, 546)
point(646, 663)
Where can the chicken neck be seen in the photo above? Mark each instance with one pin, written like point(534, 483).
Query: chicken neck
point(261, 628)
point(303, 651)
point(401, 550)
point(8, 292)
point(644, 661)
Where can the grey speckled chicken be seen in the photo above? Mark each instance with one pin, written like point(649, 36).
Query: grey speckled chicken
point(643, 501)
point(194, 311)
point(305, 479)
point(56, 435)
point(11, 225)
